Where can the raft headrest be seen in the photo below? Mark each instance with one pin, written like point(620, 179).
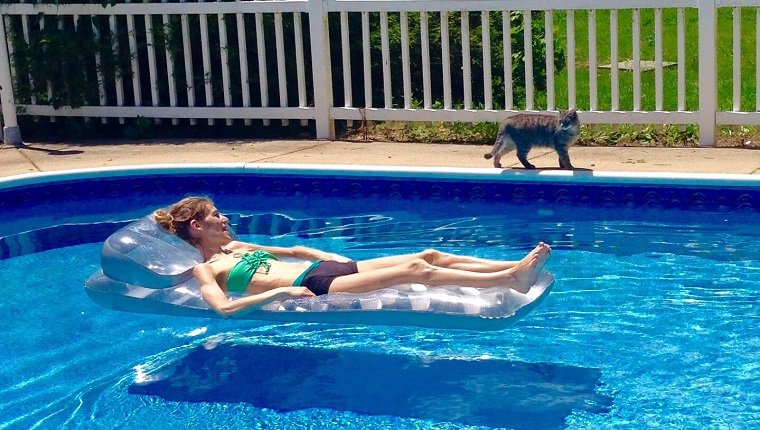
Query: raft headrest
point(144, 253)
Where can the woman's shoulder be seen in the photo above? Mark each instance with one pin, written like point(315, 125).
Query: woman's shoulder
point(205, 268)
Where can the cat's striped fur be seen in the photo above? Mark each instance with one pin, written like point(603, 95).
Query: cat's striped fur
point(526, 130)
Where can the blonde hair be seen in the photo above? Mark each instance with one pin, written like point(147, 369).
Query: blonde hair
point(177, 219)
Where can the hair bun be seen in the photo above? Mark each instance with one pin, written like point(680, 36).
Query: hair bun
point(165, 220)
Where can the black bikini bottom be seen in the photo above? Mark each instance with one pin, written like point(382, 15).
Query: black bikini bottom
point(319, 276)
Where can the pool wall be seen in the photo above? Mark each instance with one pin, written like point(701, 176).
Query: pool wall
point(78, 206)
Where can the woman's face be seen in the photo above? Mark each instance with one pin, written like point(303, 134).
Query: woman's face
point(214, 226)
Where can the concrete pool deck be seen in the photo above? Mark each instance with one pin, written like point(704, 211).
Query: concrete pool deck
point(50, 157)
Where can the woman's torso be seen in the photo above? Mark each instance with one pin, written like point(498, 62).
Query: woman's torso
point(278, 274)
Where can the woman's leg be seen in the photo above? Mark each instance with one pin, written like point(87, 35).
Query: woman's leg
point(440, 259)
point(520, 277)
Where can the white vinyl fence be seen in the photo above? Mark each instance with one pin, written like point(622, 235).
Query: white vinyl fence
point(285, 71)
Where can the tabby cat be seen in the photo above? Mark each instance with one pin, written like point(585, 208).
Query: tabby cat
point(526, 130)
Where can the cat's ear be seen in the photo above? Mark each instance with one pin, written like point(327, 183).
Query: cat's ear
point(565, 113)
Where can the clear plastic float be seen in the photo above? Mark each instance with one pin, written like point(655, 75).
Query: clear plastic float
point(145, 269)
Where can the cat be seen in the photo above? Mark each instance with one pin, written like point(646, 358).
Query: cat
point(526, 130)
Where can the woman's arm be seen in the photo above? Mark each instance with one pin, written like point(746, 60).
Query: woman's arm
point(302, 252)
point(213, 295)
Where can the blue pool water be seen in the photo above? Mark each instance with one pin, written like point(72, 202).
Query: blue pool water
point(653, 321)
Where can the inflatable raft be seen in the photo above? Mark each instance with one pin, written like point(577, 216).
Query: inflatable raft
point(145, 269)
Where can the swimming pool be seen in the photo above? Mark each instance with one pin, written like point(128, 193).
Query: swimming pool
point(653, 320)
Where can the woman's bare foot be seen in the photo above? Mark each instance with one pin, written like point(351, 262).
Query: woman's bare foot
point(525, 273)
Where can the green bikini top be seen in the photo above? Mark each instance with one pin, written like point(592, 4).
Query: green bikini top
point(242, 273)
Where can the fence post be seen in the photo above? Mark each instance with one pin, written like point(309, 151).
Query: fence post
point(708, 75)
point(321, 68)
point(11, 131)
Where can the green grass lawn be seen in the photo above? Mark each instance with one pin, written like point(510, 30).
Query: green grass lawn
point(642, 135)
point(670, 53)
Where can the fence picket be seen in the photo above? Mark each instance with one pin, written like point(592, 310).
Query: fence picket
point(549, 38)
point(384, 41)
point(300, 66)
point(188, 57)
point(346, 57)
point(49, 83)
point(75, 18)
point(614, 76)
point(506, 42)
point(282, 77)
point(405, 66)
point(636, 56)
point(593, 88)
point(528, 58)
point(737, 57)
point(262, 63)
point(224, 50)
point(206, 55)
point(464, 25)
point(98, 68)
point(150, 45)
point(446, 60)
point(485, 26)
point(366, 60)
point(170, 67)
point(571, 59)
point(681, 46)
point(25, 32)
point(708, 72)
point(658, 59)
point(245, 86)
point(425, 44)
point(118, 77)
point(134, 61)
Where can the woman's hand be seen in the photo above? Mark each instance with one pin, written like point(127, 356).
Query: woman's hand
point(329, 256)
point(318, 254)
point(302, 252)
point(297, 292)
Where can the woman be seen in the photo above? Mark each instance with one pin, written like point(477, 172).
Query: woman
point(256, 271)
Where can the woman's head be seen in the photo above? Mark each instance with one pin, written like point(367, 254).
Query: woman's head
point(179, 217)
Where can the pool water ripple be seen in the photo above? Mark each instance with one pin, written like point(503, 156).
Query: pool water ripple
point(650, 324)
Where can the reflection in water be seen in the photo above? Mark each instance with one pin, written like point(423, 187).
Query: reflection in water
point(487, 392)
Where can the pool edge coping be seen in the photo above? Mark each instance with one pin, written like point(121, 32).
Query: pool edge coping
point(375, 171)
